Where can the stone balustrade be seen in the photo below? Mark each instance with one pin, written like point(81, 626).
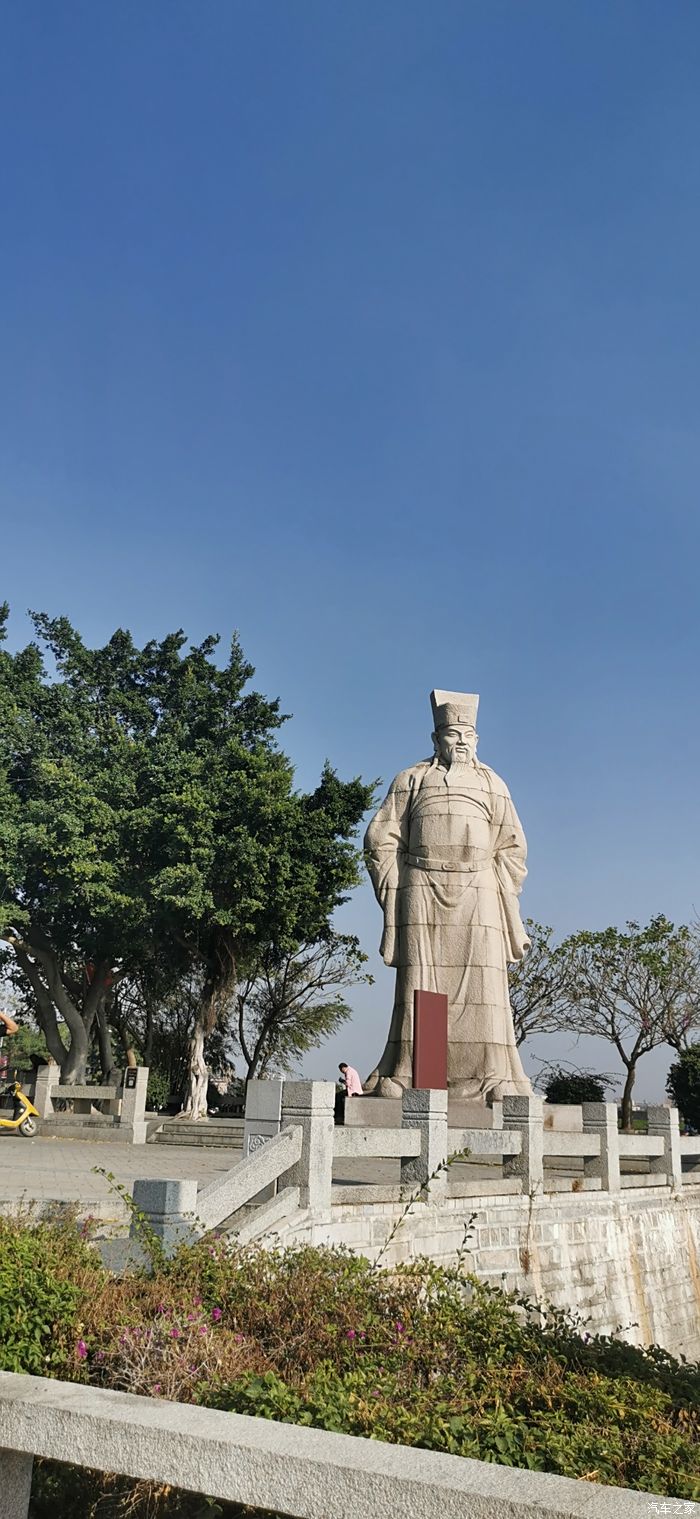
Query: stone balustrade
point(305, 1473)
point(289, 1167)
point(123, 1106)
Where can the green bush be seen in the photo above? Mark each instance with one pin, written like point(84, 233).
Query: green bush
point(40, 1294)
point(683, 1085)
point(417, 1354)
point(575, 1086)
point(158, 1090)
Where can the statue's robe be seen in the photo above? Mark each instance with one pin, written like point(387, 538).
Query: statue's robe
point(446, 853)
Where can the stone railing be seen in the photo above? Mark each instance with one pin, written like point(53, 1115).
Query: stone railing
point(305, 1473)
point(123, 1106)
point(291, 1144)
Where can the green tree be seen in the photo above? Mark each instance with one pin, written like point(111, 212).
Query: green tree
point(290, 1003)
point(637, 988)
point(69, 906)
point(683, 1085)
point(149, 818)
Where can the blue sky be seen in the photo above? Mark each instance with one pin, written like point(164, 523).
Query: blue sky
point(372, 331)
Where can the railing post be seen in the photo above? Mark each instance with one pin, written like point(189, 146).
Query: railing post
point(132, 1118)
point(664, 1121)
point(263, 1119)
point(113, 1106)
point(425, 1109)
point(310, 1104)
point(526, 1115)
point(601, 1118)
point(15, 1483)
point(169, 1208)
point(47, 1077)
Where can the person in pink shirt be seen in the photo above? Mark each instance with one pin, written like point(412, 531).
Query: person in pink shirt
point(351, 1080)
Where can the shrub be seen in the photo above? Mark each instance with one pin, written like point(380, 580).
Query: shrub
point(43, 1275)
point(415, 1354)
point(158, 1091)
point(683, 1085)
point(575, 1086)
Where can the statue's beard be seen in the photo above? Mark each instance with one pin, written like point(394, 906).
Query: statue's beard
point(460, 763)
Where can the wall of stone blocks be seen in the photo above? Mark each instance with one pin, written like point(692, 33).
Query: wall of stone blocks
point(629, 1264)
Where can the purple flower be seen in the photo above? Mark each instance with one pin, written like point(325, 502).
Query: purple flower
point(203, 1329)
point(399, 1327)
point(155, 1390)
point(81, 1350)
point(351, 1334)
point(174, 1334)
point(216, 1315)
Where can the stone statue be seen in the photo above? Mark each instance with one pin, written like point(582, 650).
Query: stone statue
point(446, 854)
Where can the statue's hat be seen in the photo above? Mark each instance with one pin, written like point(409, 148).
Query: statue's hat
point(454, 709)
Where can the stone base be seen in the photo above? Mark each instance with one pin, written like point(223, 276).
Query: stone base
point(566, 1116)
point(462, 1113)
point(372, 1112)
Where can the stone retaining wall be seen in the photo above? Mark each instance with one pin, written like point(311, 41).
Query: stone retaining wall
point(629, 1263)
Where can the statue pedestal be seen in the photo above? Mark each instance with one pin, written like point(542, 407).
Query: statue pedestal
point(372, 1112)
point(464, 1114)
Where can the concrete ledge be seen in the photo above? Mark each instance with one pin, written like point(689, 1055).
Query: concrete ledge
point(640, 1144)
point(571, 1183)
point(84, 1093)
point(484, 1141)
point(655, 1180)
point(366, 1192)
point(558, 1142)
point(383, 1143)
point(372, 1112)
point(305, 1473)
point(508, 1186)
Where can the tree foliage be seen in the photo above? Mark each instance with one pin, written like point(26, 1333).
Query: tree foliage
point(291, 1002)
point(683, 1085)
point(148, 818)
point(637, 988)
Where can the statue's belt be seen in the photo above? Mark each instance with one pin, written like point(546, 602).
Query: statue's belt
point(451, 867)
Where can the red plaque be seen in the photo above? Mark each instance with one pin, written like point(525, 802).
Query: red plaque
point(430, 1040)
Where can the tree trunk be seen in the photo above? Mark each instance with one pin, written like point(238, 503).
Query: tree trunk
point(195, 1105)
point(148, 1040)
point(627, 1098)
point(218, 990)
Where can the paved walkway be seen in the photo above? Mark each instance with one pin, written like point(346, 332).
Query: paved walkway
point(40, 1171)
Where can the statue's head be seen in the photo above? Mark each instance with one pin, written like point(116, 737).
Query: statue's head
point(455, 737)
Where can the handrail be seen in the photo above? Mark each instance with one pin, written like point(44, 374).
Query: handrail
point(383, 1143)
point(305, 1473)
point(226, 1194)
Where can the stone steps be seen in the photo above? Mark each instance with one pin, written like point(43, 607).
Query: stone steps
point(212, 1133)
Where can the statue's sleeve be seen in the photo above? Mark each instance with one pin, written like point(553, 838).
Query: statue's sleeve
point(510, 854)
point(386, 844)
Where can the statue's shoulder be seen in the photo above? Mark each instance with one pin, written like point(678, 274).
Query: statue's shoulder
point(495, 783)
point(409, 780)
